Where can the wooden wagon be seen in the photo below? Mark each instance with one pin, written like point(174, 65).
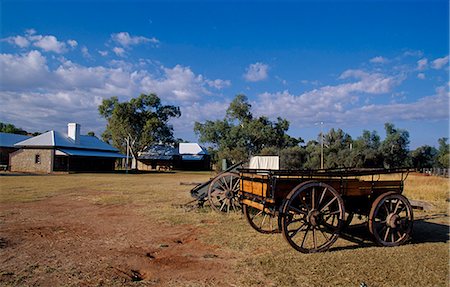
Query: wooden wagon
point(310, 208)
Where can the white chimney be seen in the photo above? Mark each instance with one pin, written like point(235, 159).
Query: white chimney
point(73, 132)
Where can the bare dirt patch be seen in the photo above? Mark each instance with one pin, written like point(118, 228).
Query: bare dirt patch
point(68, 241)
point(133, 230)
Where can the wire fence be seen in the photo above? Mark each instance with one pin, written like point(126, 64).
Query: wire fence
point(444, 172)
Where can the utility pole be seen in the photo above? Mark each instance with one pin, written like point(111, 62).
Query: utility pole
point(128, 154)
point(321, 145)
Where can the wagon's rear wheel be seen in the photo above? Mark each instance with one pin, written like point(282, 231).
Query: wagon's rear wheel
point(223, 193)
point(391, 219)
point(313, 215)
point(261, 221)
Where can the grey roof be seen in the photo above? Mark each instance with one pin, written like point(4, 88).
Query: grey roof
point(57, 139)
point(159, 152)
point(93, 153)
point(8, 140)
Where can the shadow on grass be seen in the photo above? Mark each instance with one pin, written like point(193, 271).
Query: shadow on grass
point(424, 231)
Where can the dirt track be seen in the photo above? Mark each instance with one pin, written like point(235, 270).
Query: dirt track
point(66, 240)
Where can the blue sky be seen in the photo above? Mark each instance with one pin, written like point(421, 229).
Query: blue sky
point(351, 64)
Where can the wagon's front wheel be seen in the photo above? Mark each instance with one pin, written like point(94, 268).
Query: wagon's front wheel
point(223, 193)
point(261, 221)
point(391, 219)
point(312, 217)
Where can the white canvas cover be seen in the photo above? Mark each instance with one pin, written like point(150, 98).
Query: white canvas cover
point(265, 162)
point(191, 148)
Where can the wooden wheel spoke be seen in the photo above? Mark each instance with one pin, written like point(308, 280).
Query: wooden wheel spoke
point(304, 238)
point(328, 204)
point(296, 230)
point(322, 196)
point(324, 234)
point(223, 205)
point(236, 186)
point(313, 198)
point(386, 234)
point(314, 237)
point(221, 185)
point(401, 210)
point(297, 210)
point(331, 212)
point(396, 206)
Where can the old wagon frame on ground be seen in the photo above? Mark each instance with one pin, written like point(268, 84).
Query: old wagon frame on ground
point(311, 207)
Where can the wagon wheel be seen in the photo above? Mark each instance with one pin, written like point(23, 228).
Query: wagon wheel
point(261, 221)
point(313, 215)
point(391, 219)
point(223, 193)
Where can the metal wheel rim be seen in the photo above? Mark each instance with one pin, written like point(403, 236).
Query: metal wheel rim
point(317, 211)
point(223, 193)
point(391, 219)
point(261, 221)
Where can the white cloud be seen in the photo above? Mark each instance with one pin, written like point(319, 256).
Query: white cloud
point(19, 41)
point(103, 53)
point(126, 40)
point(218, 83)
point(198, 112)
point(439, 63)
point(119, 51)
point(85, 52)
point(72, 43)
point(179, 84)
point(34, 96)
point(49, 44)
point(421, 76)
point(328, 102)
point(256, 72)
point(23, 71)
point(422, 64)
point(379, 60)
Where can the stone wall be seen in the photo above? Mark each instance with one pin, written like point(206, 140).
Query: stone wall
point(32, 160)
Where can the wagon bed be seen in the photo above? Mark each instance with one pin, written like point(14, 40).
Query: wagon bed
point(310, 207)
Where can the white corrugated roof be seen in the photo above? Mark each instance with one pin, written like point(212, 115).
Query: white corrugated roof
point(191, 148)
point(57, 139)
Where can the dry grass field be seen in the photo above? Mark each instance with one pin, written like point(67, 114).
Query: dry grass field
point(133, 230)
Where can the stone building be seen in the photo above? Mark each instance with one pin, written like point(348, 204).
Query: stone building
point(57, 152)
point(7, 142)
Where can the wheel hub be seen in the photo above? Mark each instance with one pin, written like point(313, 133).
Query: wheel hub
point(392, 220)
point(229, 194)
point(314, 217)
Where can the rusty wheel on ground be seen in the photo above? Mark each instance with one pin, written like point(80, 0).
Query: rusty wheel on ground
point(261, 221)
point(223, 193)
point(391, 219)
point(312, 217)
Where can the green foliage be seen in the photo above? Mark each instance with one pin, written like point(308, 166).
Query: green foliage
point(424, 157)
point(240, 135)
point(11, 129)
point(443, 158)
point(366, 151)
point(395, 147)
point(144, 120)
point(337, 151)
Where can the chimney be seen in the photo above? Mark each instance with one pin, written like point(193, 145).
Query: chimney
point(73, 132)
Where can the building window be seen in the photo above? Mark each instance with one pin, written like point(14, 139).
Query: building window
point(37, 159)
